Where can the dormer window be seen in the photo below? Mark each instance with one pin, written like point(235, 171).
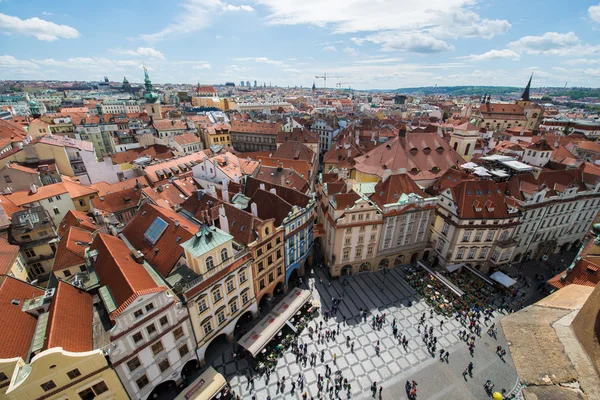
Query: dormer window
point(477, 206)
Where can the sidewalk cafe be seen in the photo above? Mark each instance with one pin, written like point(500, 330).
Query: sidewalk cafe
point(208, 386)
point(279, 329)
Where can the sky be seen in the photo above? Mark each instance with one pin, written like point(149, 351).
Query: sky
point(363, 44)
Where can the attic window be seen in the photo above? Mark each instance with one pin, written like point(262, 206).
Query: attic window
point(427, 149)
point(414, 150)
point(414, 170)
point(435, 168)
point(15, 302)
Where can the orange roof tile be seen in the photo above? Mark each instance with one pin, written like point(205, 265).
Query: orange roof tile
point(186, 138)
point(8, 206)
point(105, 188)
point(586, 272)
point(151, 171)
point(70, 320)
point(168, 245)
point(117, 269)
point(393, 188)
point(78, 190)
point(8, 255)
point(118, 201)
point(71, 249)
point(43, 192)
point(79, 219)
point(16, 327)
point(264, 128)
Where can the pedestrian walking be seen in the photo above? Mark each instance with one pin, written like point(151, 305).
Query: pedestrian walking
point(352, 347)
point(470, 367)
point(441, 325)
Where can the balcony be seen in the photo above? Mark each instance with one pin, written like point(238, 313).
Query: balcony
point(75, 158)
point(505, 244)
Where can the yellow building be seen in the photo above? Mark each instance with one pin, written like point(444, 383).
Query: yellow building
point(59, 374)
point(80, 194)
point(463, 140)
point(217, 135)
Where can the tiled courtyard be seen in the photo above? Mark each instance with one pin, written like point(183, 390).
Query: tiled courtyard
point(393, 365)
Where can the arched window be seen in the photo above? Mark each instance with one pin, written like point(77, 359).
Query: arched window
point(224, 255)
point(467, 149)
point(455, 146)
point(209, 263)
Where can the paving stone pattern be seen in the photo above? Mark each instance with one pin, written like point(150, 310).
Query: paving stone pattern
point(362, 367)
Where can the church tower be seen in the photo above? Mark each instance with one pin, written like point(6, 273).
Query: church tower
point(464, 139)
point(525, 101)
point(152, 105)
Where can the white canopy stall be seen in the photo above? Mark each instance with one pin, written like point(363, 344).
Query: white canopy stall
point(503, 279)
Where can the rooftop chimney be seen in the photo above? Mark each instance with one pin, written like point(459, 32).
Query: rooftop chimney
point(33, 188)
point(254, 209)
point(273, 190)
point(386, 174)
point(223, 222)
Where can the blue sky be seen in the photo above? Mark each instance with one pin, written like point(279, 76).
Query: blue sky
point(367, 43)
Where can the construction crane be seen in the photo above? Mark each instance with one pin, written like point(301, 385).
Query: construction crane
point(324, 77)
point(339, 84)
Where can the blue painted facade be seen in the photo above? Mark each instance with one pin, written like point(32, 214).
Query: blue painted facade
point(298, 237)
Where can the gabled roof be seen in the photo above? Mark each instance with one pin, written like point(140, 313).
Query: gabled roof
point(541, 145)
point(8, 206)
point(301, 135)
point(79, 219)
point(293, 197)
point(206, 239)
point(70, 320)
point(585, 272)
point(479, 200)
point(269, 205)
point(502, 108)
point(105, 188)
point(424, 156)
point(151, 170)
point(78, 190)
point(164, 254)
point(117, 269)
point(393, 188)
point(16, 326)
point(118, 201)
point(167, 195)
point(169, 124)
point(71, 249)
point(186, 138)
point(8, 255)
point(43, 192)
point(294, 151)
point(265, 128)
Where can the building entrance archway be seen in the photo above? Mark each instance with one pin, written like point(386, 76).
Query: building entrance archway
point(346, 270)
point(163, 391)
point(365, 267)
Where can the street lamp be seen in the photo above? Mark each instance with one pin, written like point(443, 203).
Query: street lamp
point(385, 272)
point(344, 284)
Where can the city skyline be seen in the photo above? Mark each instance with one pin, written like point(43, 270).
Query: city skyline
point(285, 43)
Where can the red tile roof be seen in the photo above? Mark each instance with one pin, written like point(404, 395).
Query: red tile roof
point(105, 188)
point(71, 249)
point(168, 245)
point(167, 195)
point(8, 206)
point(186, 138)
point(479, 200)
point(70, 320)
point(424, 156)
point(26, 196)
point(78, 190)
point(301, 135)
point(393, 188)
point(118, 201)
point(151, 170)
point(77, 219)
point(294, 151)
point(502, 108)
point(117, 269)
point(11, 131)
point(156, 151)
point(8, 255)
point(265, 128)
point(586, 272)
point(16, 327)
point(169, 124)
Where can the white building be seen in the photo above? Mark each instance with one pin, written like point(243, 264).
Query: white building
point(151, 336)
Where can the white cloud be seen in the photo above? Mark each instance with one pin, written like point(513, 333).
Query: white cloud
point(91, 64)
point(12, 62)
point(582, 61)
point(351, 51)
point(330, 48)
point(263, 60)
point(196, 15)
point(47, 13)
point(494, 55)
point(202, 66)
point(36, 27)
point(231, 7)
point(143, 52)
point(594, 12)
point(380, 60)
point(550, 43)
point(409, 42)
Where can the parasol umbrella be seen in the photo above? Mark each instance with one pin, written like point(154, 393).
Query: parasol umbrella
point(497, 396)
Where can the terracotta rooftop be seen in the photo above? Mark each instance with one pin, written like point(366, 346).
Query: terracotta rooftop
point(393, 188)
point(78, 219)
point(294, 151)
point(589, 146)
point(164, 254)
point(70, 320)
point(284, 177)
point(23, 197)
point(265, 128)
point(502, 108)
point(17, 327)
point(166, 195)
point(156, 172)
point(541, 145)
point(71, 249)
point(117, 201)
point(117, 269)
point(293, 197)
point(105, 188)
point(301, 135)
point(169, 124)
point(156, 151)
point(424, 156)
point(479, 200)
point(11, 131)
point(585, 272)
point(186, 139)
point(78, 190)
point(8, 255)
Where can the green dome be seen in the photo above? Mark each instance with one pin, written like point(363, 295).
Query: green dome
point(151, 97)
point(32, 103)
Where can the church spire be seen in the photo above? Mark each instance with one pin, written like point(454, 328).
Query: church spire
point(525, 95)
